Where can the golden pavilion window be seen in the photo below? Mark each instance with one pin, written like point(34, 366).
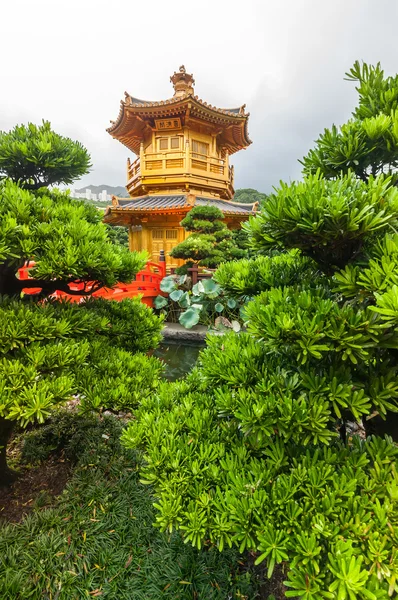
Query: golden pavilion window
point(174, 143)
point(171, 234)
point(200, 149)
point(157, 234)
point(163, 144)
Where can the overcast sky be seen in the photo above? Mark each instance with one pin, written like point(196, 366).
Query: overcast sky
point(70, 62)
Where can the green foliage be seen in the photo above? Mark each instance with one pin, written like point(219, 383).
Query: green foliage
point(249, 196)
point(266, 444)
point(242, 453)
point(367, 143)
point(51, 351)
point(97, 540)
point(64, 237)
point(249, 277)
point(211, 241)
point(327, 220)
point(203, 219)
point(118, 235)
point(206, 303)
point(134, 327)
point(35, 156)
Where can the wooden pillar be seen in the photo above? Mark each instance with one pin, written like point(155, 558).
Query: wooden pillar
point(187, 163)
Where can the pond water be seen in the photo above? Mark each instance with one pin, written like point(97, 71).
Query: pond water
point(179, 358)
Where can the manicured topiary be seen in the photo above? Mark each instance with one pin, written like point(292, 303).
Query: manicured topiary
point(211, 241)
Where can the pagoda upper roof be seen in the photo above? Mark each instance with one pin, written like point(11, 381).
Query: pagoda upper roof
point(130, 100)
point(136, 117)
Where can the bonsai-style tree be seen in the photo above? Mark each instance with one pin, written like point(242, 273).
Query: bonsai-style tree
point(263, 445)
point(51, 351)
point(35, 156)
point(211, 242)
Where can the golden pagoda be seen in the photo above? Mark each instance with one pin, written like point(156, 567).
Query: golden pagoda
point(183, 147)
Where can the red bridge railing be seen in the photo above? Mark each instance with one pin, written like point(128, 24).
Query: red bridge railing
point(146, 284)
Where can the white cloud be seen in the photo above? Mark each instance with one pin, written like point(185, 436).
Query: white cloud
point(70, 62)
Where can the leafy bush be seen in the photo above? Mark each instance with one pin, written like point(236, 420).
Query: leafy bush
point(53, 351)
point(134, 327)
point(65, 239)
point(97, 540)
point(211, 241)
point(35, 156)
point(118, 235)
point(257, 447)
point(328, 220)
point(249, 277)
point(249, 196)
point(205, 302)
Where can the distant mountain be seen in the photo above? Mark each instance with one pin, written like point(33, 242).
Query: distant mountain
point(111, 190)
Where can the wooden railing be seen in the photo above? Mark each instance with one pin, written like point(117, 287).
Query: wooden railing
point(146, 285)
point(183, 162)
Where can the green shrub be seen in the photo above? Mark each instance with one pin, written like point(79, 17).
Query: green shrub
point(328, 220)
point(35, 156)
point(205, 303)
point(47, 353)
point(368, 143)
point(266, 444)
point(134, 326)
point(249, 277)
point(211, 241)
point(97, 540)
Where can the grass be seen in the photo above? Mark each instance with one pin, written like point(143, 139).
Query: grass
point(98, 539)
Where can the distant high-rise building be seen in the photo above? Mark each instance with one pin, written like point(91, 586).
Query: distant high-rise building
point(88, 194)
point(103, 196)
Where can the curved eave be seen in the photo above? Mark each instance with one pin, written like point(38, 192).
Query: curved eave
point(121, 215)
point(134, 111)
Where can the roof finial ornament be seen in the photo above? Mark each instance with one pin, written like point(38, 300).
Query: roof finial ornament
point(183, 83)
point(127, 98)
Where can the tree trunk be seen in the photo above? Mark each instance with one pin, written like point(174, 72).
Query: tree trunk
point(7, 475)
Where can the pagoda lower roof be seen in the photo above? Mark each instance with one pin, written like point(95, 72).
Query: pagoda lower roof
point(174, 203)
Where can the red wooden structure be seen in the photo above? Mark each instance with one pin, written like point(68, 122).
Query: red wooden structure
point(146, 284)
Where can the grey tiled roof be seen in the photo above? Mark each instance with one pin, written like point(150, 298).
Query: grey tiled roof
point(225, 205)
point(180, 201)
point(239, 111)
point(154, 202)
